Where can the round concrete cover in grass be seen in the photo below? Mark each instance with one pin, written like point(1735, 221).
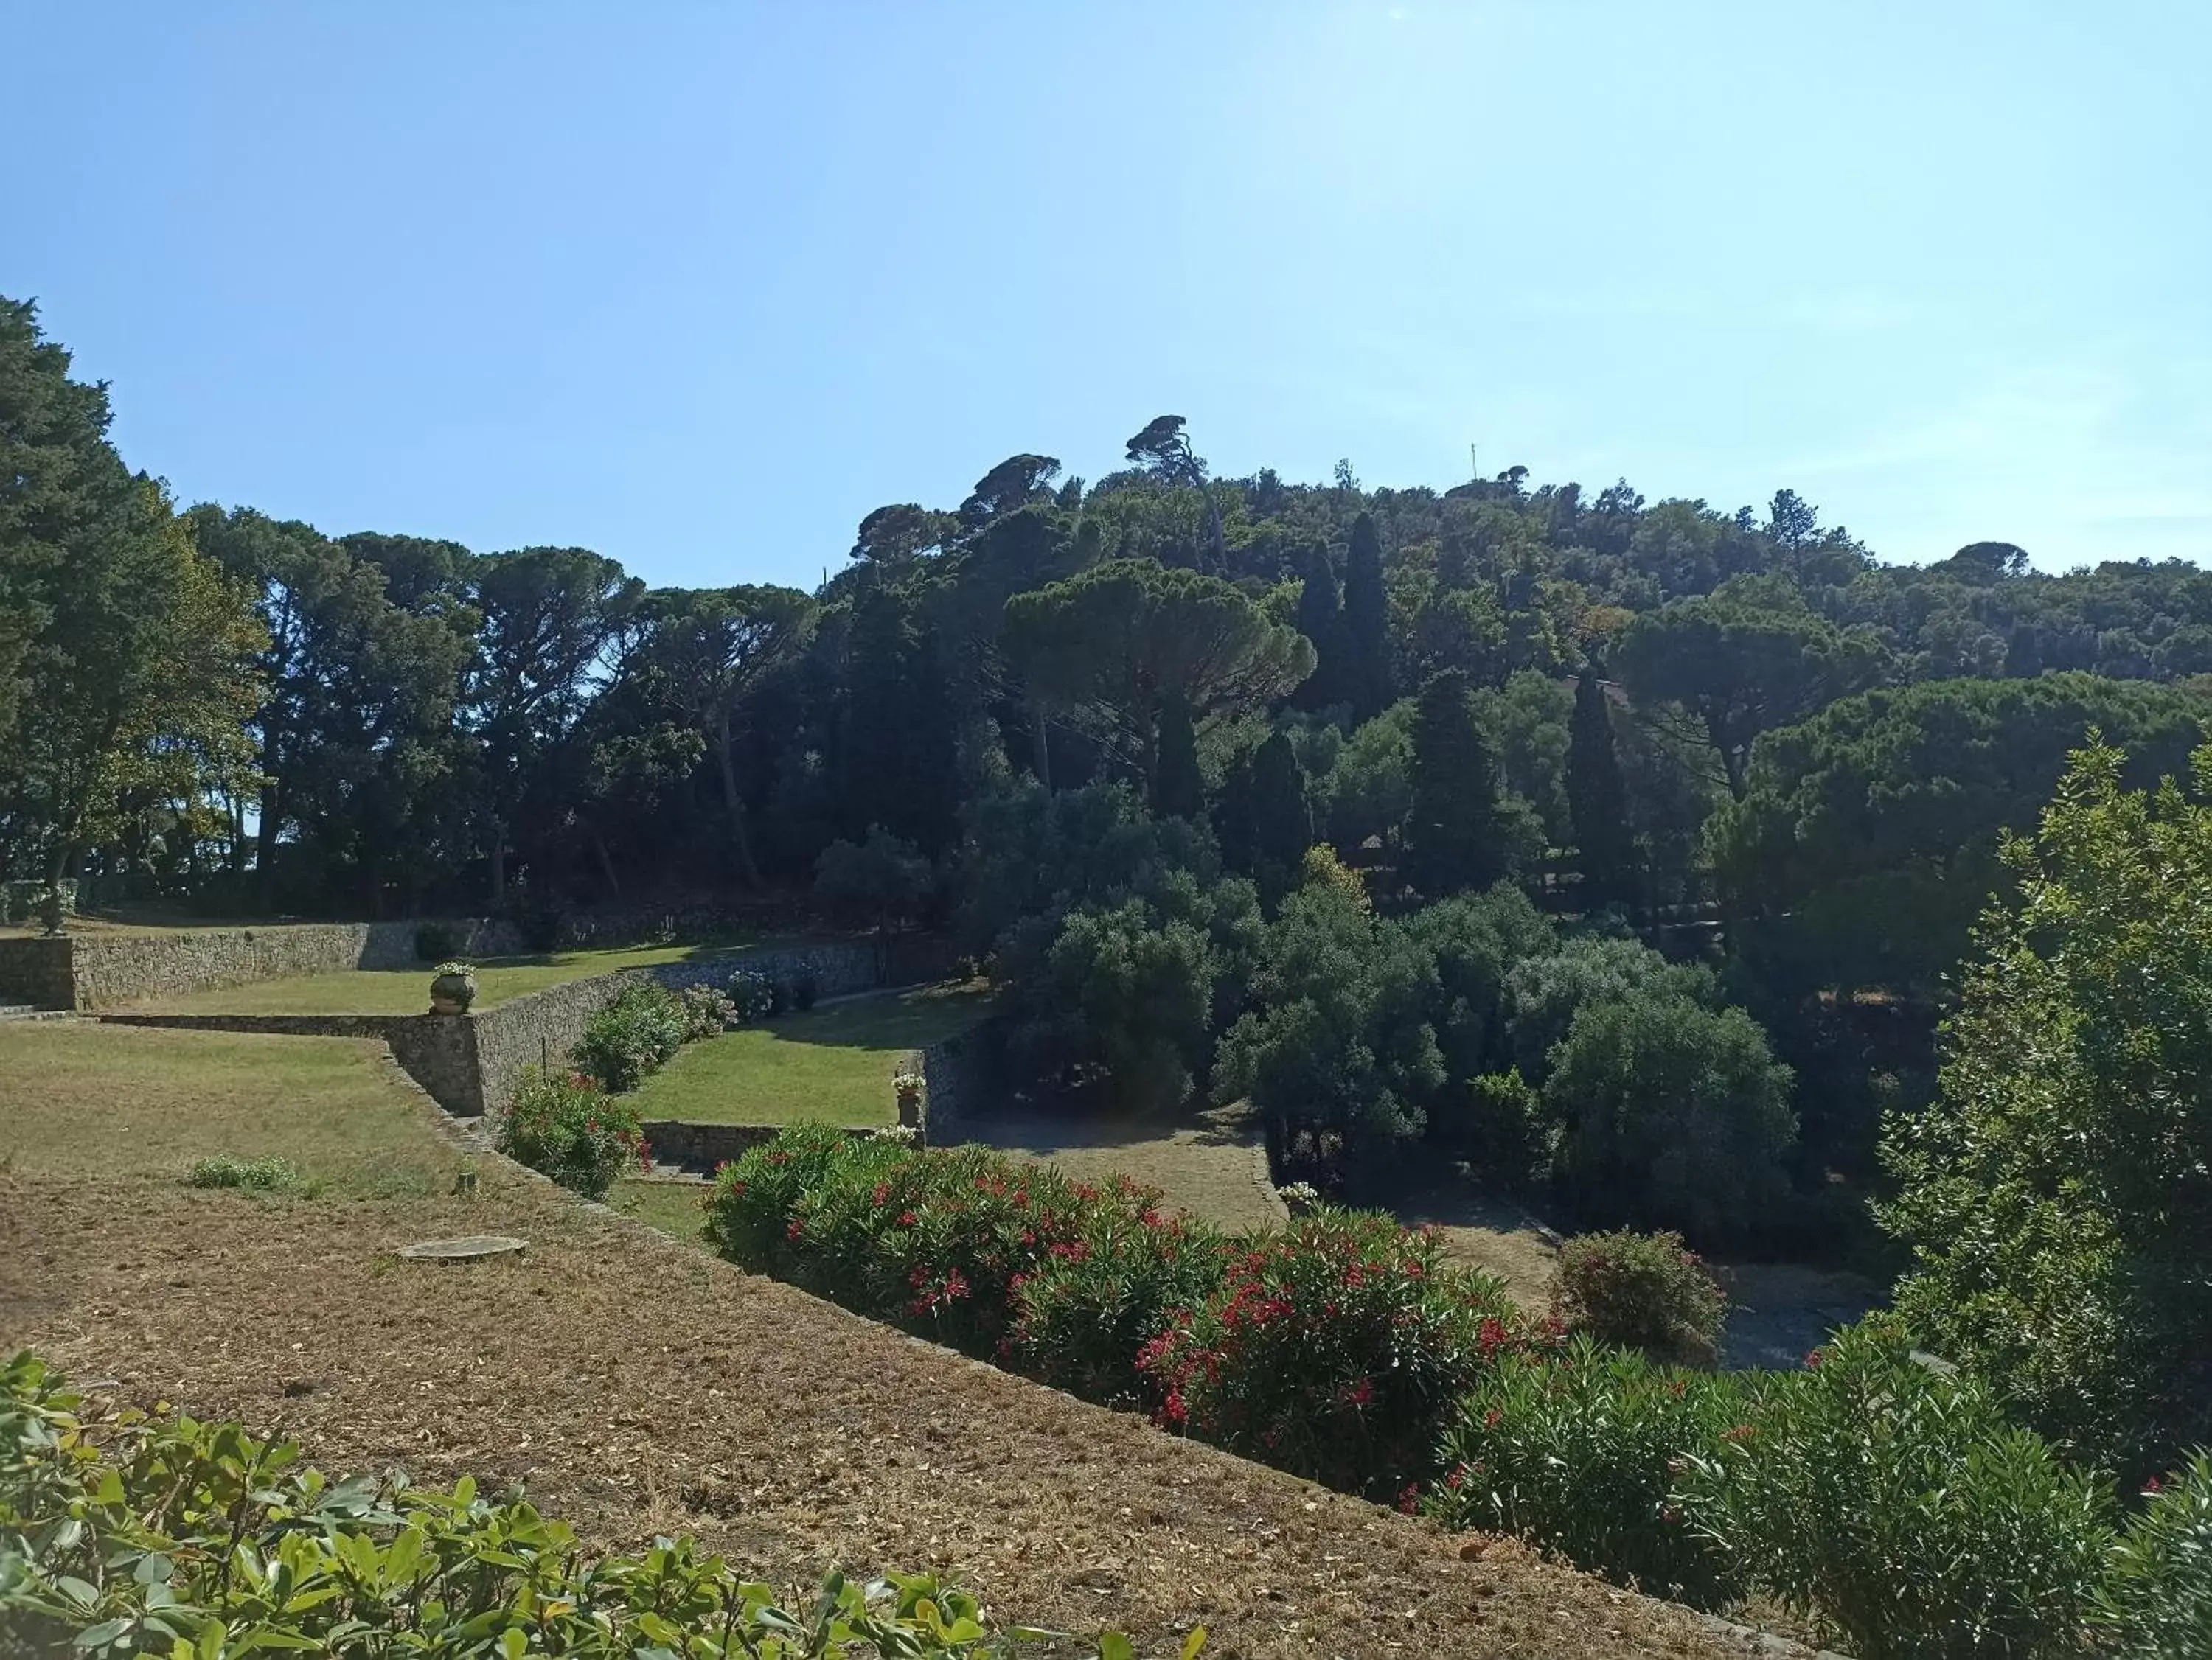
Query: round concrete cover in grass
point(457, 1250)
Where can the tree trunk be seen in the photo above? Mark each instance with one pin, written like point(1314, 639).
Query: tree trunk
point(498, 863)
point(747, 872)
point(265, 852)
point(606, 863)
point(1040, 747)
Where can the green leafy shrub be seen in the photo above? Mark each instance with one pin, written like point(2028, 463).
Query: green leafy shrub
point(949, 1244)
point(805, 991)
point(436, 941)
point(706, 1012)
point(563, 1124)
point(259, 1175)
point(753, 993)
point(1578, 1452)
point(1083, 1316)
point(1648, 1291)
point(1333, 1350)
point(122, 1535)
point(2156, 1603)
point(632, 1037)
point(1896, 1505)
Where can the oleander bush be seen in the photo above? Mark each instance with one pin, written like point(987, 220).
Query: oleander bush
point(1084, 1313)
point(566, 1125)
point(632, 1037)
point(1015, 1262)
point(126, 1536)
point(1648, 1291)
point(1333, 1350)
point(1579, 1451)
point(1895, 1503)
point(2156, 1602)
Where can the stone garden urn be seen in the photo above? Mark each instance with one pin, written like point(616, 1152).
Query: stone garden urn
point(907, 1090)
point(453, 989)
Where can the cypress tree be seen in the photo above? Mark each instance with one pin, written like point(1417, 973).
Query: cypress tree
point(1177, 790)
point(1598, 800)
point(1321, 622)
point(1452, 839)
point(1282, 823)
point(1366, 623)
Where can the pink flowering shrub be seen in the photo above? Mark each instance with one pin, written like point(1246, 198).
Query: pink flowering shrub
point(564, 1124)
point(1012, 1262)
point(1333, 1350)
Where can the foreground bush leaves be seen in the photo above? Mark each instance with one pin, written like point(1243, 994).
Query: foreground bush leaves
point(126, 1536)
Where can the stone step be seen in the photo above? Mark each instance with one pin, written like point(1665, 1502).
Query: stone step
point(23, 1011)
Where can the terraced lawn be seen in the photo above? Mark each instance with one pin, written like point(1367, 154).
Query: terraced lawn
point(119, 1103)
point(407, 991)
point(834, 1063)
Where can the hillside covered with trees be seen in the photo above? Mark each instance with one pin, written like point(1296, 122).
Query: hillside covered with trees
point(1449, 817)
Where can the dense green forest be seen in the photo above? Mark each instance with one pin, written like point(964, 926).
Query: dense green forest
point(1419, 816)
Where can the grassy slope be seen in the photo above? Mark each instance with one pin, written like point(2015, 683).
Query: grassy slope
point(834, 1063)
point(407, 991)
point(84, 1099)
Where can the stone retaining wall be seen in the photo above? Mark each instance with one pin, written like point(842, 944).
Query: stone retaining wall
point(90, 971)
point(469, 1065)
point(961, 1075)
point(37, 971)
point(703, 1147)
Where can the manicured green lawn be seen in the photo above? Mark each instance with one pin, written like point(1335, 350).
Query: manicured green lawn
point(114, 1100)
point(407, 992)
point(834, 1063)
point(671, 1206)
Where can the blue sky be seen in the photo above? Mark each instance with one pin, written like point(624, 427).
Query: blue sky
point(699, 286)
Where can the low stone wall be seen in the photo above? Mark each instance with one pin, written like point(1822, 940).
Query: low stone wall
point(90, 971)
point(961, 1076)
point(37, 971)
point(703, 1147)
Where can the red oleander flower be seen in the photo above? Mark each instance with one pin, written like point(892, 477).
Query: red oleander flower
point(1490, 1418)
point(796, 1231)
point(882, 1193)
point(1410, 1499)
point(907, 1219)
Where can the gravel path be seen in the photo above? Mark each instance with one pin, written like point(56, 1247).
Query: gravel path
point(640, 1387)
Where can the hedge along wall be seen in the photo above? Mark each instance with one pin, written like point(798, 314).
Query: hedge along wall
point(108, 971)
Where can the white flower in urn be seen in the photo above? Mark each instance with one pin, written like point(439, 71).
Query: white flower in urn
point(907, 1090)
